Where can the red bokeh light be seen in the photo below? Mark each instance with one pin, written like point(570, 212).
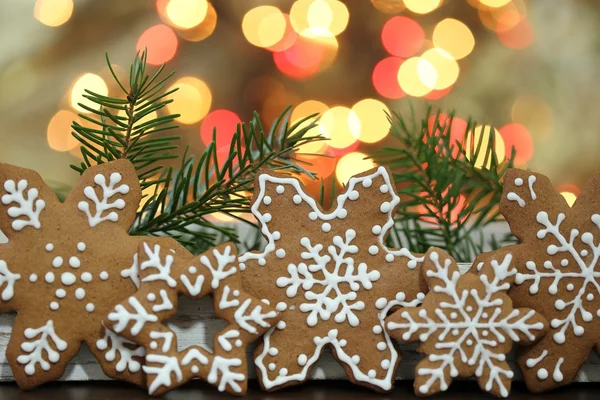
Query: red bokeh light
point(519, 37)
point(445, 213)
point(385, 78)
point(289, 37)
point(517, 136)
point(402, 36)
point(332, 151)
point(569, 187)
point(437, 94)
point(458, 129)
point(301, 60)
point(161, 42)
point(225, 122)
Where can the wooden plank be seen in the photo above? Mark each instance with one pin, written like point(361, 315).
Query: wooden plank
point(195, 323)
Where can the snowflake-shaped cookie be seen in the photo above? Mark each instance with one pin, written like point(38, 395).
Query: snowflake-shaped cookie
point(558, 272)
point(163, 272)
point(61, 270)
point(332, 277)
point(467, 325)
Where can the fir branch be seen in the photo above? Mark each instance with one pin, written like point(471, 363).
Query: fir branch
point(446, 200)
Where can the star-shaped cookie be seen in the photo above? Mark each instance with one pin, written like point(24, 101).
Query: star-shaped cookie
point(558, 272)
point(466, 324)
point(61, 270)
point(332, 277)
point(163, 271)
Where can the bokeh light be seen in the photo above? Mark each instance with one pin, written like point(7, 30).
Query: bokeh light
point(569, 197)
point(341, 126)
point(518, 37)
point(161, 42)
point(323, 166)
point(517, 136)
point(147, 118)
point(288, 39)
point(352, 164)
point(483, 134)
point(402, 36)
point(374, 123)
point(264, 26)
point(202, 30)
point(303, 110)
point(385, 78)
point(417, 76)
point(186, 14)
point(454, 37)
point(533, 113)
point(326, 18)
point(457, 130)
point(422, 6)
point(306, 56)
point(91, 82)
point(494, 3)
point(192, 100)
point(59, 131)
point(570, 192)
point(53, 12)
point(446, 213)
point(389, 6)
point(446, 69)
point(224, 121)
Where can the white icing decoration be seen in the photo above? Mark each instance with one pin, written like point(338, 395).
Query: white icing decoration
point(542, 373)
point(49, 247)
point(163, 271)
point(532, 362)
point(326, 227)
point(531, 181)
point(74, 262)
point(221, 365)
point(79, 293)
point(167, 338)
point(102, 206)
point(54, 306)
point(267, 200)
point(518, 182)
point(81, 246)
point(225, 302)
point(320, 305)
point(28, 205)
point(60, 293)
point(122, 316)
point(166, 303)
point(90, 307)
point(280, 253)
point(469, 326)
point(194, 355)
point(67, 278)
point(512, 196)
point(196, 288)
point(281, 306)
point(255, 316)
point(40, 348)
point(225, 337)
point(9, 278)
point(132, 272)
point(57, 262)
point(49, 277)
point(103, 275)
point(86, 277)
point(557, 375)
point(117, 347)
point(280, 189)
point(302, 359)
point(151, 297)
point(162, 374)
point(33, 278)
point(585, 278)
point(223, 260)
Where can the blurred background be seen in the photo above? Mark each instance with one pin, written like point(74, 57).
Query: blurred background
point(525, 67)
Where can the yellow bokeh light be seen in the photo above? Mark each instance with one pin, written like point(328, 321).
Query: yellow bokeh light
point(494, 3)
point(417, 77)
point(186, 14)
point(305, 109)
point(422, 6)
point(483, 134)
point(341, 126)
point(454, 37)
point(91, 82)
point(533, 113)
point(59, 131)
point(192, 100)
point(446, 69)
point(569, 197)
point(53, 12)
point(264, 26)
point(389, 6)
point(373, 120)
point(202, 30)
point(352, 164)
point(313, 18)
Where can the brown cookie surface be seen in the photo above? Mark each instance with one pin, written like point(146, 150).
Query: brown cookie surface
point(467, 325)
point(558, 272)
point(164, 270)
point(61, 270)
point(332, 277)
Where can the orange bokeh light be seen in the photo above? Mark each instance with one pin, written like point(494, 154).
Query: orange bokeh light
point(518, 37)
point(161, 42)
point(402, 36)
point(288, 39)
point(517, 136)
point(448, 212)
point(385, 78)
point(225, 122)
point(306, 56)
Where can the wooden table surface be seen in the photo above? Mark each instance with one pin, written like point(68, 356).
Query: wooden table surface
point(317, 390)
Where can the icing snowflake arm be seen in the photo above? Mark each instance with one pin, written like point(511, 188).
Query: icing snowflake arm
point(24, 200)
point(38, 351)
point(119, 356)
point(106, 193)
point(11, 282)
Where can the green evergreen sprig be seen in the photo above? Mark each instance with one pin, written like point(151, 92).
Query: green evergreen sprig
point(182, 200)
point(449, 190)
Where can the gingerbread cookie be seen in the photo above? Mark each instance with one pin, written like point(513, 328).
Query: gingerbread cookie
point(558, 272)
point(466, 324)
point(332, 277)
point(163, 272)
point(61, 270)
